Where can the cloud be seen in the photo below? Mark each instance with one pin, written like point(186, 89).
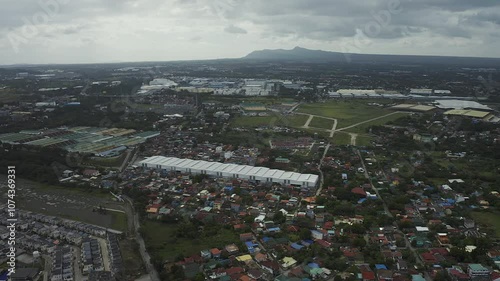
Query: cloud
point(235, 30)
point(166, 29)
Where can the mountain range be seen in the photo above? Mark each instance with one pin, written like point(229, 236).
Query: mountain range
point(299, 54)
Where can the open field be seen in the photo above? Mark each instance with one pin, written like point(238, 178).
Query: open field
point(7, 97)
point(119, 221)
point(108, 162)
point(491, 220)
point(71, 203)
point(363, 140)
point(322, 123)
point(253, 121)
point(341, 138)
point(161, 240)
point(294, 121)
point(347, 112)
point(361, 129)
point(131, 256)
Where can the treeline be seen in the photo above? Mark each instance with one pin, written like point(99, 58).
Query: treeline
point(33, 164)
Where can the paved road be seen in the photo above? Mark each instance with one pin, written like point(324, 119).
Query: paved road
point(133, 217)
point(77, 271)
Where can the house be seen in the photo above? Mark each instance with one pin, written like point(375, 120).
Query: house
point(246, 237)
point(215, 253)
point(260, 257)
point(384, 275)
point(271, 266)
point(315, 234)
point(153, 209)
point(91, 173)
point(478, 272)
point(256, 274)
point(368, 276)
point(232, 249)
point(288, 262)
point(205, 254)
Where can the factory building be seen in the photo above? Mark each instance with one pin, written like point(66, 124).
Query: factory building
point(216, 169)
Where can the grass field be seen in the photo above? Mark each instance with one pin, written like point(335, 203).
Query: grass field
point(253, 121)
point(108, 162)
point(491, 220)
point(341, 138)
point(99, 193)
point(7, 97)
point(347, 112)
point(294, 121)
point(322, 123)
point(119, 221)
point(160, 238)
point(361, 129)
point(363, 140)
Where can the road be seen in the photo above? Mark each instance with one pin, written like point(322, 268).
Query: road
point(353, 138)
point(368, 121)
point(133, 218)
point(77, 271)
point(322, 176)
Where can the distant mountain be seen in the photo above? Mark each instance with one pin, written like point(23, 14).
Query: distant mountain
point(306, 55)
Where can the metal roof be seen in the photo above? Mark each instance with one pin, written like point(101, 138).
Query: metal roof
point(241, 170)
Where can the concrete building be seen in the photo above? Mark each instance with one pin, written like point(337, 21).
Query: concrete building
point(258, 174)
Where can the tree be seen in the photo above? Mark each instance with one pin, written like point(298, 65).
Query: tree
point(305, 234)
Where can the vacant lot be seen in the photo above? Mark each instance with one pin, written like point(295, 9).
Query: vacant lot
point(322, 123)
point(382, 121)
point(347, 112)
point(161, 240)
point(71, 203)
point(341, 138)
point(253, 121)
point(491, 220)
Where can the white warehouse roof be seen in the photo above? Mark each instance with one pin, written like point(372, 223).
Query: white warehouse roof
point(230, 170)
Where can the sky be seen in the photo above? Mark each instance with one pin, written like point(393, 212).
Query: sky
point(90, 31)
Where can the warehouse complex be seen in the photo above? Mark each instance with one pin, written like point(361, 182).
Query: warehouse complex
point(216, 169)
point(104, 142)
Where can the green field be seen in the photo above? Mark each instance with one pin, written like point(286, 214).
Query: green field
point(363, 140)
point(294, 121)
point(161, 240)
point(361, 129)
point(253, 121)
point(341, 138)
point(322, 123)
point(88, 192)
point(7, 97)
point(119, 221)
point(347, 112)
point(107, 162)
point(491, 220)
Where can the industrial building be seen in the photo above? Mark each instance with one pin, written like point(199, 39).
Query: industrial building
point(216, 169)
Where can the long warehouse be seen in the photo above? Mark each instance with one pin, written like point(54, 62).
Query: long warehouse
point(216, 169)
